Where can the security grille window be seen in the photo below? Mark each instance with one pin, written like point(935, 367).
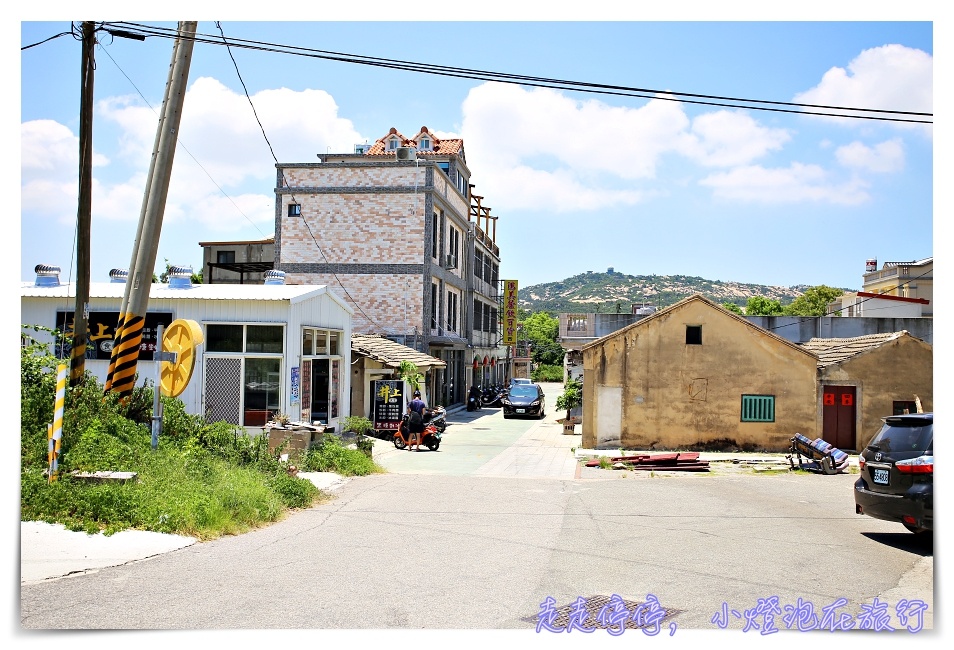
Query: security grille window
point(225, 257)
point(435, 236)
point(294, 209)
point(434, 306)
point(758, 408)
point(494, 271)
point(693, 335)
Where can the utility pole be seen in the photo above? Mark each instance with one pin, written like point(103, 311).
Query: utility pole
point(125, 355)
point(85, 209)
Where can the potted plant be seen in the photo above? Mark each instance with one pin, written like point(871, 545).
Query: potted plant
point(571, 398)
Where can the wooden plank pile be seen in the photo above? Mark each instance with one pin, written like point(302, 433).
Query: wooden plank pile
point(682, 461)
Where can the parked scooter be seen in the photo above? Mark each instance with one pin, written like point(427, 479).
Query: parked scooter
point(493, 395)
point(438, 417)
point(473, 399)
point(431, 438)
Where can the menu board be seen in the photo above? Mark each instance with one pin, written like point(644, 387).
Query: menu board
point(388, 404)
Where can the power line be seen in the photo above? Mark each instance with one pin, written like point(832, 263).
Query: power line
point(184, 148)
point(284, 181)
point(544, 82)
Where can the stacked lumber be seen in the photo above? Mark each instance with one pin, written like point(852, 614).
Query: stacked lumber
point(683, 461)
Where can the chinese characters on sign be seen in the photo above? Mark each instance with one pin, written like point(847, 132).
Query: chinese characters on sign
point(295, 385)
point(101, 329)
point(510, 313)
point(388, 404)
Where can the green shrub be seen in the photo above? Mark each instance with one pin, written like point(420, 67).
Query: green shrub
point(547, 372)
point(328, 455)
point(295, 492)
point(357, 424)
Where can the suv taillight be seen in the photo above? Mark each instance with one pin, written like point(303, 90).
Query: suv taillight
point(919, 465)
point(861, 461)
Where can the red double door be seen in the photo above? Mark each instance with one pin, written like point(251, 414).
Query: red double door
point(838, 414)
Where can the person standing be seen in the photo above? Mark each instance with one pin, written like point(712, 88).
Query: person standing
point(415, 421)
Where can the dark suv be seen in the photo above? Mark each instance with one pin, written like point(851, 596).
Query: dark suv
point(897, 473)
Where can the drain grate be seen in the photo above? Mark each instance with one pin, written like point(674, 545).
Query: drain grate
point(614, 610)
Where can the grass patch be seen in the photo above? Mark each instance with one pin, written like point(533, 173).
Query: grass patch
point(205, 480)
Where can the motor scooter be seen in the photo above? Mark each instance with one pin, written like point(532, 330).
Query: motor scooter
point(431, 438)
point(492, 396)
point(473, 400)
point(438, 417)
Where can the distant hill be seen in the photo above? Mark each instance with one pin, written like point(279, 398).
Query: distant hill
point(586, 292)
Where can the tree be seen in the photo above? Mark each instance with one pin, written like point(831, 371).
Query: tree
point(762, 306)
point(410, 373)
point(814, 302)
point(734, 308)
point(572, 396)
point(542, 330)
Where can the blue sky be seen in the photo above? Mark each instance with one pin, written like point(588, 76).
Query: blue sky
point(579, 181)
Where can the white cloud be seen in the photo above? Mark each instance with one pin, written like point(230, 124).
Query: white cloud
point(890, 77)
point(794, 184)
point(885, 157)
point(729, 138)
point(541, 149)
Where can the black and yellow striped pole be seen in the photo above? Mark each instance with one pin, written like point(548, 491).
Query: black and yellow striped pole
point(121, 376)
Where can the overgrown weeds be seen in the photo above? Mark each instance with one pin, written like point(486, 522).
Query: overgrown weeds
point(204, 479)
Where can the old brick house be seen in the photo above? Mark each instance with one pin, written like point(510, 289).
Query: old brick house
point(395, 228)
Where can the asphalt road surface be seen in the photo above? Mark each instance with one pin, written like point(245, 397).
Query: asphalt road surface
point(458, 551)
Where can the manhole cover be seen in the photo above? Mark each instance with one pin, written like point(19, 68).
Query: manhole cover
point(607, 613)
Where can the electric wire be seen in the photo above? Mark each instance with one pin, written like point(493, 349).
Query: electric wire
point(284, 181)
point(544, 82)
point(184, 147)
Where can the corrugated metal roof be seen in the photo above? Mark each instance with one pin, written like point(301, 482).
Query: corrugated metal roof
point(293, 293)
point(832, 351)
point(390, 353)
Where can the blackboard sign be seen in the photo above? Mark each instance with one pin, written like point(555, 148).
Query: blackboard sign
point(388, 404)
point(100, 330)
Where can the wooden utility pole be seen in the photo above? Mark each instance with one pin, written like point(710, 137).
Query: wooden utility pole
point(125, 355)
point(85, 209)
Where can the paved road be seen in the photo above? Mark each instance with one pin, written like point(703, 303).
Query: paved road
point(463, 547)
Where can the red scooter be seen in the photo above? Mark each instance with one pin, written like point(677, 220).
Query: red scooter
point(431, 438)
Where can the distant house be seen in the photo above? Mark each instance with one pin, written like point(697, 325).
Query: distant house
point(865, 304)
point(696, 375)
point(237, 262)
point(914, 279)
point(865, 378)
point(377, 357)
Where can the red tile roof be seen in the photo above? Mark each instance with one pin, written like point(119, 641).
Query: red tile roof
point(445, 147)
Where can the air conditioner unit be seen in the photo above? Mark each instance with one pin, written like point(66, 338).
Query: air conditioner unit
point(405, 153)
point(450, 261)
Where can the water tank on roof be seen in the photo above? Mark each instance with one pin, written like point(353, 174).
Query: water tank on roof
point(871, 265)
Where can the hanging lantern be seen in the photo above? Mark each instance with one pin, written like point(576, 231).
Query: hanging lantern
point(476, 361)
point(493, 361)
point(486, 362)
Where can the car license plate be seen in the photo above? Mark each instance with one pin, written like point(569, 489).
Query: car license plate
point(521, 410)
point(879, 476)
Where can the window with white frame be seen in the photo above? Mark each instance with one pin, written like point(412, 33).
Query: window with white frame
point(393, 143)
point(452, 306)
point(425, 143)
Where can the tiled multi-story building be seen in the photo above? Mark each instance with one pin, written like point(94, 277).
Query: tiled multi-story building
point(395, 229)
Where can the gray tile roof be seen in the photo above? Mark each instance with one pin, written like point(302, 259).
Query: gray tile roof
point(390, 353)
point(832, 351)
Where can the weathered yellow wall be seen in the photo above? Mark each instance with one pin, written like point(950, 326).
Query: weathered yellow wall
point(676, 395)
point(897, 370)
